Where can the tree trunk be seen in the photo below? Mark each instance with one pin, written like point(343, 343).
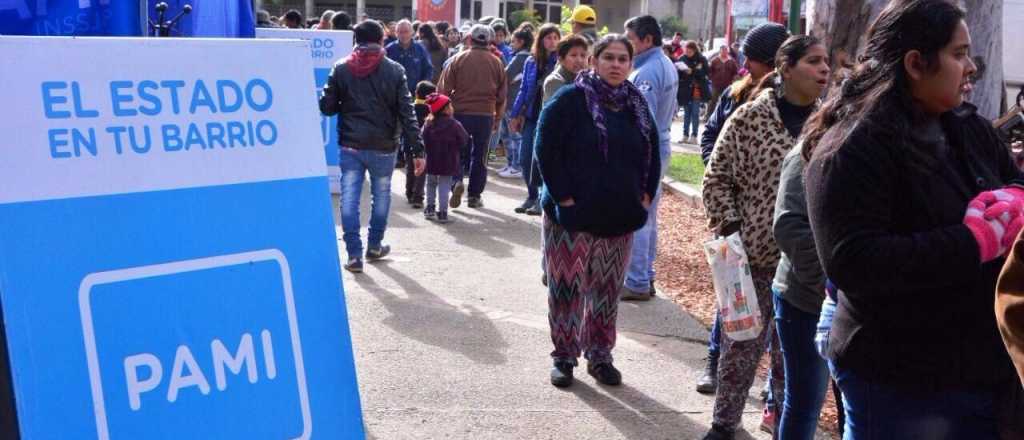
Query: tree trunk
point(843, 24)
point(985, 20)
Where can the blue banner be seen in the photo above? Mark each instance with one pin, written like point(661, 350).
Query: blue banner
point(210, 18)
point(70, 17)
point(169, 265)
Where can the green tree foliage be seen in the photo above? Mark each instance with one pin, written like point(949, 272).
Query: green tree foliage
point(671, 24)
point(521, 16)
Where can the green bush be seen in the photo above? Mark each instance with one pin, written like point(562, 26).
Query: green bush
point(671, 24)
point(521, 16)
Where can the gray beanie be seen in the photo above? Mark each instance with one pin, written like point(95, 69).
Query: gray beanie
point(763, 41)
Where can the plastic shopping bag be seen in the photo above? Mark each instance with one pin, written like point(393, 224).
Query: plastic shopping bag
point(734, 287)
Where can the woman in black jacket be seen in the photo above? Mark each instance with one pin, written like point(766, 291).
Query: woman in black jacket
point(694, 88)
point(599, 178)
point(908, 201)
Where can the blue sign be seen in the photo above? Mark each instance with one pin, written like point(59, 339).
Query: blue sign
point(71, 17)
point(168, 259)
point(326, 48)
point(215, 19)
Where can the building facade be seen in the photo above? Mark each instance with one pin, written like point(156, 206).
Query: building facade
point(695, 14)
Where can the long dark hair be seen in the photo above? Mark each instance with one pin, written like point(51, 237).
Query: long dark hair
point(427, 35)
point(789, 54)
point(876, 91)
point(541, 53)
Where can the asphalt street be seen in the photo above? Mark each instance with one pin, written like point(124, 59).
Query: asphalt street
point(451, 339)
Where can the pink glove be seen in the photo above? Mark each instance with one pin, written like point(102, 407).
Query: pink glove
point(1009, 210)
point(994, 223)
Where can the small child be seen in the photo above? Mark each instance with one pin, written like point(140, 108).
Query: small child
point(413, 183)
point(443, 138)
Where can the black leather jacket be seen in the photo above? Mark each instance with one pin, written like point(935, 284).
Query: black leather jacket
point(375, 111)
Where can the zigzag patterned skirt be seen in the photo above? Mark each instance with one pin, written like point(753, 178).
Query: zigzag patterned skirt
point(585, 274)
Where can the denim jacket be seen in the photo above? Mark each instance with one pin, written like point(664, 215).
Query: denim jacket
point(655, 76)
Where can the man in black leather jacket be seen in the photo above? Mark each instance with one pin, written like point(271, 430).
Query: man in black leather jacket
point(369, 93)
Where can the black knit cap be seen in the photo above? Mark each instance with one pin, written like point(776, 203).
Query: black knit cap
point(763, 41)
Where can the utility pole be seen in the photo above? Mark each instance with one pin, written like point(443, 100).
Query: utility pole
point(714, 20)
point(794, 17)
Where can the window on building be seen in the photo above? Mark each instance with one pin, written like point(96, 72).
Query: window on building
point(465, 9)
point(478, 8)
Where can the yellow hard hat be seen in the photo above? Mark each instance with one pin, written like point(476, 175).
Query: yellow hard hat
point(584, 14)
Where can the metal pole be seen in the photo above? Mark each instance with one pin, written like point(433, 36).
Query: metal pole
point(794, 17)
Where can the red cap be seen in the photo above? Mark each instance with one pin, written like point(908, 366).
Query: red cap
point(436, 102)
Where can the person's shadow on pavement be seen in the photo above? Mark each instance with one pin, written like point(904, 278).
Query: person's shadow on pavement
point(424, 317)
point(638, 416)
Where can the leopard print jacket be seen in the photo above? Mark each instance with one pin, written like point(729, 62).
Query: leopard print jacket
point(742, 177)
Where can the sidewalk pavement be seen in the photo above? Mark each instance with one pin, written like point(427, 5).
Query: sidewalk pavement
point(677, 136)
point(451, 340)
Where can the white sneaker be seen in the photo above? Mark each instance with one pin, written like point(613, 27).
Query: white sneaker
point(509, 173)
point(503, 170)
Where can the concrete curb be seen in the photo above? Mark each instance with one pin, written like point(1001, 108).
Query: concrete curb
point(687, 192)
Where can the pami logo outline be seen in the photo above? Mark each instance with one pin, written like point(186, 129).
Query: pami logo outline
point(243, 357)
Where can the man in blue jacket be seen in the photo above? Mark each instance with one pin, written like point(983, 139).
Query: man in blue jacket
point(411, 55)
point(656, 78)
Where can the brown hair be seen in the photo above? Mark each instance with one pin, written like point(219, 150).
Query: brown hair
point(570, 41)
point(540, 53)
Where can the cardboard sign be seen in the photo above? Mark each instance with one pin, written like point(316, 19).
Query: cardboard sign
point(168, 258)
point(325, 48)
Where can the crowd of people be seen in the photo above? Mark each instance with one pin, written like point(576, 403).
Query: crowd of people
point(875, 206)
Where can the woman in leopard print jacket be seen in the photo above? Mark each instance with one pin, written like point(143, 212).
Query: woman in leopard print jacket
point(740, 186)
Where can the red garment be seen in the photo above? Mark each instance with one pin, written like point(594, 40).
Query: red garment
point(723, 72)
point(677, 51)
point(364, 60)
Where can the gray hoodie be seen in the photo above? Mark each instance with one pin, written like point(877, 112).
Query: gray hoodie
point(799, 278)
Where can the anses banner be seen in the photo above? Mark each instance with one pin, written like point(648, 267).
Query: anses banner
point(436, 10)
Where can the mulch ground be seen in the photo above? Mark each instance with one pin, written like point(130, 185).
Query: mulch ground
point(684, 276)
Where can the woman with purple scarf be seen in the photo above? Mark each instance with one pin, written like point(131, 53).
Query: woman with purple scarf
point(598, 179)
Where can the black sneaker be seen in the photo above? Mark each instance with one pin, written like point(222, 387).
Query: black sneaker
point(416, 205)
point(377, 254)
point(475, 202)
point(430, 213)
point(457, 191)
point(442, 218)
point(605, 373)
point(354, 265)
point(719, 432)
point(521, 209)
point(544, 279)
point(561, 374)
point(654, 292)
point(708, 382)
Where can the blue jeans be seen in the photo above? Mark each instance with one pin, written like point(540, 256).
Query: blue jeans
point(691, 117)
point(511, 141)
point(354, 166)
point(875, 411)
point(526, 160)
point(806, 372)
point(640, 272)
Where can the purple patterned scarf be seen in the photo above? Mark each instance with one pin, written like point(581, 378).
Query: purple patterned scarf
point(625, 96)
